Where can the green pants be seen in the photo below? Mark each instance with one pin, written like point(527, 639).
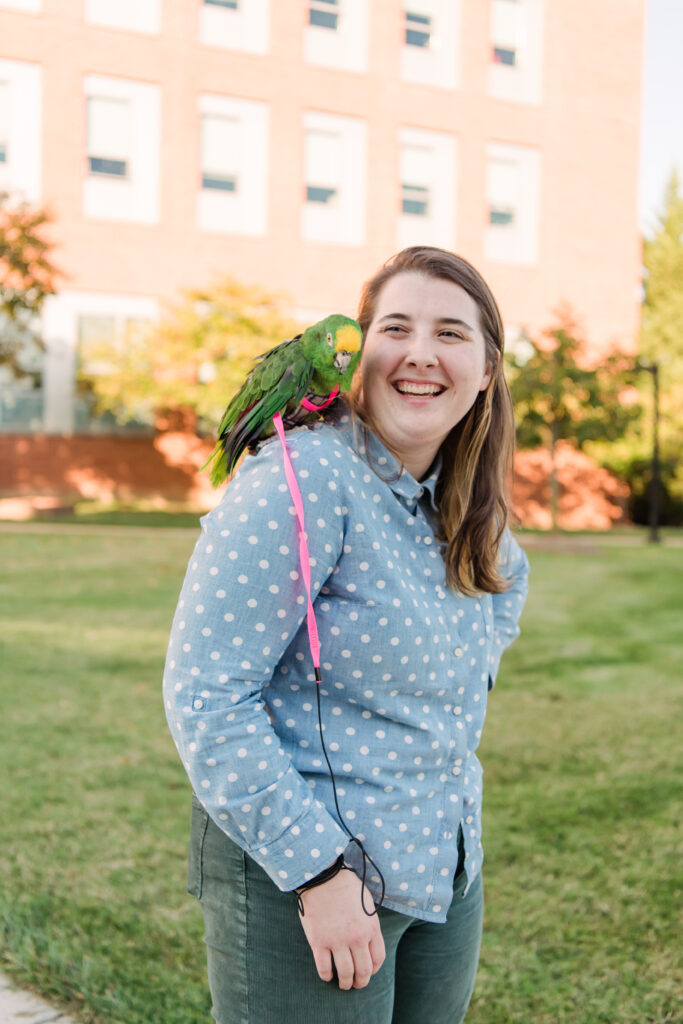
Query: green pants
point(261, 969)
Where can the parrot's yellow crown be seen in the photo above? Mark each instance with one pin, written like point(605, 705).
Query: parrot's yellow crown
point(348, 339)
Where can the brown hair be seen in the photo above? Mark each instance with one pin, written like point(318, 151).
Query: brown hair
point(477, 454)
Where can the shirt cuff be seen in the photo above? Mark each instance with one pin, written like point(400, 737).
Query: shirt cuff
point(309, 846)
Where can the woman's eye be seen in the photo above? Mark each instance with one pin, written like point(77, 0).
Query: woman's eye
point(394, 329)
point(451, 335)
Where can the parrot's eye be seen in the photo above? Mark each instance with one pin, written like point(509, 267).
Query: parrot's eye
point(330, 342)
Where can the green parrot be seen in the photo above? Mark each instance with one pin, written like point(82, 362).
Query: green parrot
point(307, 367)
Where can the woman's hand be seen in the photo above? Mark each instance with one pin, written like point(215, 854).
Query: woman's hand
point(337, 927)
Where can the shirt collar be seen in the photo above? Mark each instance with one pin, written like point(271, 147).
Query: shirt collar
point(386, 466)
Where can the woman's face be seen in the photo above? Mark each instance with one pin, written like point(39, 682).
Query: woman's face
point(423, 364)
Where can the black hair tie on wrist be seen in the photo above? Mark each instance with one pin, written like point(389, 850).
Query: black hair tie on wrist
point(320, 879)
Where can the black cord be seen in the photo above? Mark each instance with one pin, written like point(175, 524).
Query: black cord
point(366, 856)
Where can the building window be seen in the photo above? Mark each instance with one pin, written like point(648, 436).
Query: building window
point(503, 191)
point(233, 25)
point(516, 44)
point(336, 35)
point(324, 13)
point(334, 185)
point(128, 15)
point(427, 188)
point(21, 129)
point(4, 122)
point(418, 29)
point(108, 137)
point(221, 147)
point(122, 182)
point(322, 167)
point(506, 32)
point(512, 194)
point(430, 54)
point(27, 6)
point(233, 194)
point(416, 180)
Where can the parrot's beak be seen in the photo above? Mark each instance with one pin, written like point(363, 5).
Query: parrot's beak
point(342, 360)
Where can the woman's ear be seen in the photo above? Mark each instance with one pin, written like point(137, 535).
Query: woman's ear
point(488, 372)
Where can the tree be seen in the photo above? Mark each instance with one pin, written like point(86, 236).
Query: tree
point(556, 398)
point(187, 367)
point(661, 336)
point(27, 276)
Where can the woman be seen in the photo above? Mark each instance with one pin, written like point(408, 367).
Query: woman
point(417, 588)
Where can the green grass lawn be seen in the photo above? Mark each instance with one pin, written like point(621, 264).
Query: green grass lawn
point(582, 809)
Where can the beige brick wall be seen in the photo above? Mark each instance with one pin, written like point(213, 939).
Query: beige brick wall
point(587, 129)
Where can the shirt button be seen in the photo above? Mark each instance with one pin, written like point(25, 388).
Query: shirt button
point(457, 710)
point(448, 835)
point(198, 704)
point(458, 652)
point(456, 770)
point(428, 540)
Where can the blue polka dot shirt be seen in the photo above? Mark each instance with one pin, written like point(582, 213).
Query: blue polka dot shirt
point(406, 664)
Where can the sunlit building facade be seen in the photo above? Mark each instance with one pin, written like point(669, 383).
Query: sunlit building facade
point(297, 144)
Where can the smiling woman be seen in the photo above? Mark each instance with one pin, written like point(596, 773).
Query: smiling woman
point(417, 588)
point(422, 366)
point(430, 321)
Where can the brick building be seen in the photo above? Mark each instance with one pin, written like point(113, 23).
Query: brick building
point(296, 144)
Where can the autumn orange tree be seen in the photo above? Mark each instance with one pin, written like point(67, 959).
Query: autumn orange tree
point(558, 397)
point(187, 367)
point(27, 276)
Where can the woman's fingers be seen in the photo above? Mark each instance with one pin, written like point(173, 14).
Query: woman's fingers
point(362, 962)
point(323, 964)
point(343, 961)
point(377, 951)
point(337, 927)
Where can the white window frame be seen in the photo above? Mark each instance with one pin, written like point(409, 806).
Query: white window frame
point(522, 81)
point(21, 171)
point(107, 158)
point(244, 210)
point(245, 28)
point(516, 242)
point(343, 221)
point(5, 121)
point(344, 47)
point(438, 63)
point(60, 332)
point(128, 15)
point(135, 198)
point(25, 6)
point(438, 227)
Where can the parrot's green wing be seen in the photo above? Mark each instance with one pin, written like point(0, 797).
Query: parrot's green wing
point(281, 379)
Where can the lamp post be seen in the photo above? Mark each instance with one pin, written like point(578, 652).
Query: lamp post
point(653, 367)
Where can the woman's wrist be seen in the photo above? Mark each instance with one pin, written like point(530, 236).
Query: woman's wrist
point(326, 875)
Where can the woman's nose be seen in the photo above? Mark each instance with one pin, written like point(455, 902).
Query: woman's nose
point(421, 351)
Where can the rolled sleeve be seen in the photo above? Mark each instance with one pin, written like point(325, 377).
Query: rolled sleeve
point(242, 602)
point(508, 606)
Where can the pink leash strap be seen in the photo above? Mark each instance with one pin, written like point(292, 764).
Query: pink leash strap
point(314, 408)
point(304, 556)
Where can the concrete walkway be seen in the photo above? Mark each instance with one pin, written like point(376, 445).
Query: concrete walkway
point(24, 1008)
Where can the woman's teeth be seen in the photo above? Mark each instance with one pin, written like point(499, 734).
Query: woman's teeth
point(406, 388)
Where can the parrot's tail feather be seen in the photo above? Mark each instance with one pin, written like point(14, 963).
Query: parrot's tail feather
point(245, 432)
